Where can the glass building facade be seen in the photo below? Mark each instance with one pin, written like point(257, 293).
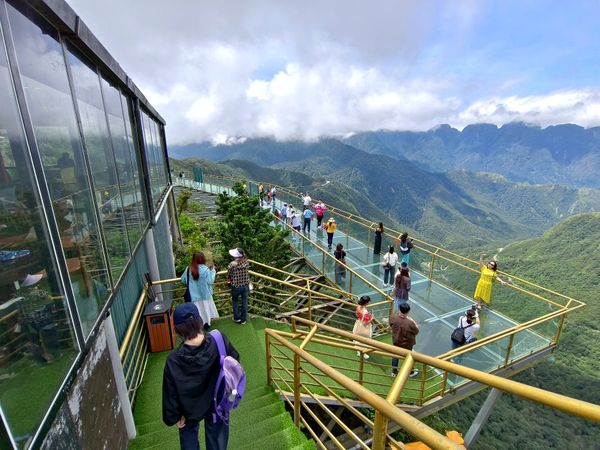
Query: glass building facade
point(83, 176)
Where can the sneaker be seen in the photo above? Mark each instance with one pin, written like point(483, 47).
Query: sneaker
point(242, 322)
point(394, 374)
point(367, 356)
point(237, 320)
point(414, 373)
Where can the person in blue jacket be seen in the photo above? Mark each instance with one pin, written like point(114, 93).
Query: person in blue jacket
point(200, 285)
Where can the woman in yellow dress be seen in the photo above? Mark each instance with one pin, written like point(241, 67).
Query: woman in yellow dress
point(483, 291)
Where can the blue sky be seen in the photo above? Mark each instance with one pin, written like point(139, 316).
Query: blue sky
point(241, 68)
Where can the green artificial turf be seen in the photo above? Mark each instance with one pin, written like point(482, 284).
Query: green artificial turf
point(260, 422)
point(376, 371)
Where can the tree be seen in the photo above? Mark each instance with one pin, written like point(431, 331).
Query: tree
point(246, 225)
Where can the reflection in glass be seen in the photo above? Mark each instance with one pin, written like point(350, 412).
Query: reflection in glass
point(125, 159)
point(50, 105)
point(135, 155)
point(102, 163)
point(36, 338)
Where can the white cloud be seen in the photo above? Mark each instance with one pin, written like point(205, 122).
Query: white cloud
point(573, 106)
point(224, 70)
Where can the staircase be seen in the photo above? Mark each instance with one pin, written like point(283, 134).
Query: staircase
point(207, 200)
point(260, 422)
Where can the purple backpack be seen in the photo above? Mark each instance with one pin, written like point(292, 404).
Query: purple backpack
point(231, 383)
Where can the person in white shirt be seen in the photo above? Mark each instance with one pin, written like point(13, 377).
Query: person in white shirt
point(470, 325)
point(389, 264)
point(306, 200)
point(295, 220)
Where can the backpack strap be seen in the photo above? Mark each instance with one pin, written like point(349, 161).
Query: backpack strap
point(461, 327)
point(218, 337)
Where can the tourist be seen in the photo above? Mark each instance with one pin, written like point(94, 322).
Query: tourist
point(320, 209)
point(364, 322)
point(284, 213)
point(329, 228)
point(406, 246)
point(239, 281)
point(483, 291)
point(340, 270)
point(470, 324)
point(307, 218)
point(401, 286)
point(261, 193)
point(189, 380)
point(269, 194)
point(296, 220)
point(290, 210)
point(200, 287)
point(389, 265)
point(378, 234)
point(306, 200)
point(404, 332)
point(273, 195)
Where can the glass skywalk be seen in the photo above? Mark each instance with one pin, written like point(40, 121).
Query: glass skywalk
point(434, 306)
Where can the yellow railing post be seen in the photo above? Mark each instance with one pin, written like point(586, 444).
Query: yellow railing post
point(559, 330)
point(423, 381)
point(379, 431)
point(350, 284)
point(296, 390)
point(309, 300)
point(268, 356)
point(432, 265)
point(508, 349)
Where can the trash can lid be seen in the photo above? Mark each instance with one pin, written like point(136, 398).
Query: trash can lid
point(156, 308)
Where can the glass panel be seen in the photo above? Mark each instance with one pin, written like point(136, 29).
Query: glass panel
point(125, 167)
point(102, 163)
point(42, 68)
point(37, 343)
point(134, 150)
point(160, 154)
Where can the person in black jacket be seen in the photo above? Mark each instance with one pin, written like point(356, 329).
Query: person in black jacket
point(189, 380)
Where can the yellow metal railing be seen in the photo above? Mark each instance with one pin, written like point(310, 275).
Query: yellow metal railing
point(297, 368)
point(133, 351)
point(285, 296)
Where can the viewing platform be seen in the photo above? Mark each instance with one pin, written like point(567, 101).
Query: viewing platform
point(511, 337)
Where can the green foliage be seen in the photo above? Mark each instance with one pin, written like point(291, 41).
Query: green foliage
point(244, 224)
point(182, 201)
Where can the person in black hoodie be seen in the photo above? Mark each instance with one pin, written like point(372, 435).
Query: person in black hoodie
point(189, 380)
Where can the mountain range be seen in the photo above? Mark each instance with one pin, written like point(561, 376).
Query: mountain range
point(455, 208)
point(562, 154)
point(565, 154)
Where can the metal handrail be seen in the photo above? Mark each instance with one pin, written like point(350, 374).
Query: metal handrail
point(569, 405)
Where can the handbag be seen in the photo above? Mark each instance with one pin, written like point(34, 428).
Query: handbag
point(360, 329)
point(187, 297)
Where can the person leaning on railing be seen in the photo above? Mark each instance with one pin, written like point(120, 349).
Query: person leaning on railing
point(238, 279)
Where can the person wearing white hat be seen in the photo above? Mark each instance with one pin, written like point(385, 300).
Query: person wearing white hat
point(330, 227)
point(238, 279)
